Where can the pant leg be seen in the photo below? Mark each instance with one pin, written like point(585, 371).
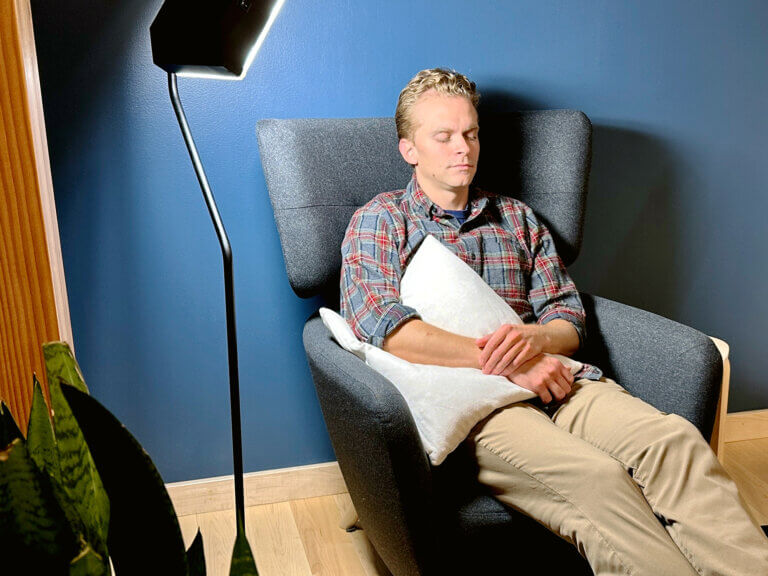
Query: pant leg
point(677, 472)
point(575, 490)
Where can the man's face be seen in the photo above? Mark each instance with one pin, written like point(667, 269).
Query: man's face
point(445, 146)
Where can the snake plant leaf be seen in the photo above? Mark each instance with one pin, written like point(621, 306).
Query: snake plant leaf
point(243, 563)
point(82, 486)
point(196, 556)
point(88, 563)
point(61, 366)
point(40, 441)
point(34, 532)
point(143, 522)
point(9, 431)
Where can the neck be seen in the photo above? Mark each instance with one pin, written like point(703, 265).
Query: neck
point(451, 199)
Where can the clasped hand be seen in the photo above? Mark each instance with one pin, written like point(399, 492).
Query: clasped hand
point(516, 351)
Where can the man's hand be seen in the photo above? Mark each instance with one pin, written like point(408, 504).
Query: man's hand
point(546, 376)
point(511, 346)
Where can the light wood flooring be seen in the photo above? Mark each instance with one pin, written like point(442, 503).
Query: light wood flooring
point(295, 538)
point(747, 463)
point(303, 537)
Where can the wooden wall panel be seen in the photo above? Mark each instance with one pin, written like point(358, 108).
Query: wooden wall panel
point(33, 302)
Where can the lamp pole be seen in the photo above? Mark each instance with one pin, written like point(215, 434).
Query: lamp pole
point(229, 290)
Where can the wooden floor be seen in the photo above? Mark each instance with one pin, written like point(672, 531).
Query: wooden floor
point(747, 463)
point(303, 537)
point(296, 538)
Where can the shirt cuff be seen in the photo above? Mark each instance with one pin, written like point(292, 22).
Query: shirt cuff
point(572, 317)
point(589, 372)
point(394, 315)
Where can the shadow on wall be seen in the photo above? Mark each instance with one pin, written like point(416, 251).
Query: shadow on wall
point(629, 251)
point(80, 44)
point(498, 102)
point(82, 48)
point(84, 52)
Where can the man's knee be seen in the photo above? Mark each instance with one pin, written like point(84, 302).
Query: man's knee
point(675, 443)
point(606, 475)
point(675, 433)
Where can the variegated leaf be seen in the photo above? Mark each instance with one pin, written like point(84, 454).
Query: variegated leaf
point(40, 440)
point(79, 476)
point(61, 366)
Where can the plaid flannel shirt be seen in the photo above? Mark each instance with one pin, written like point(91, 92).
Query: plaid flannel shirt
point(502, 240)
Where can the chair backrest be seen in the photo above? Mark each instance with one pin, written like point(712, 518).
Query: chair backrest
point(319, 171)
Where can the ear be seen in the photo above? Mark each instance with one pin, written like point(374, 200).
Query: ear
point(408, 151)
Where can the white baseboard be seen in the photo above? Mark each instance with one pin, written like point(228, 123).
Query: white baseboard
point(272, 486)
point(268, 487)
point(748, 425)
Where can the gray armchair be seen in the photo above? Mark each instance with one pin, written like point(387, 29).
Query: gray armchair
point(437, 520)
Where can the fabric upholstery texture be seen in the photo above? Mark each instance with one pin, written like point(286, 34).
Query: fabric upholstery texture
point(433, 520)
point(316, 180)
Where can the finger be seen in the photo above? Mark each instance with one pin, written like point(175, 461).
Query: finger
point(492, 351)
point(545, 396)
point(523, 357)
point(566, 387)
point(562, 378)
point(568, 376)
point(498, 354)
point(505, 365)
point(494, 340)
point(525, 354)
point(491, 344)
point(557, 390)
point(481, 342)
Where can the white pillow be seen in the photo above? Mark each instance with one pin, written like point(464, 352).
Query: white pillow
point(449, 294)
point(445, 402)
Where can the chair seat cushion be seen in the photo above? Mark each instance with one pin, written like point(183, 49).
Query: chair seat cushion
point(474, 520)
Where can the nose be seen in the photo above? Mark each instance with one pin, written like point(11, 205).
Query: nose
point(462, 146)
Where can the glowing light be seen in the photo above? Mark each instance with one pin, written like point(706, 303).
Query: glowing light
point(260, 40)
point(210, 72)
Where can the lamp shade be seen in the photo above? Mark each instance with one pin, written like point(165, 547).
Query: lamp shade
point(211, 38)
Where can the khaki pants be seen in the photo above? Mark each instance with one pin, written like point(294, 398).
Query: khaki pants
point(637, 491)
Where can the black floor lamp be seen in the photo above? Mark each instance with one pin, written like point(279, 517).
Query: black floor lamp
point(214, 39)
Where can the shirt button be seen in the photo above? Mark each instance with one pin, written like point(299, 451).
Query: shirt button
point(472, 257)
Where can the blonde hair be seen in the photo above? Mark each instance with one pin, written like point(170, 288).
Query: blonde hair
point(442, 81)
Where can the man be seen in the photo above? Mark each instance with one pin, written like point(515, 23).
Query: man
point(672, 508)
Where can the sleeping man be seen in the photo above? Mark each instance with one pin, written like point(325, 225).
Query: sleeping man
point(672, 510)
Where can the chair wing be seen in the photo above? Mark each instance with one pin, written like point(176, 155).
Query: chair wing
point(319, 171)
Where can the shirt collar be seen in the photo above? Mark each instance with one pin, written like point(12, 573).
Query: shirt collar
point(421, 203)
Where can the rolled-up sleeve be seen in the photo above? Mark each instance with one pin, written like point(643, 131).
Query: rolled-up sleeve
point(370, 277)
point(552, 292)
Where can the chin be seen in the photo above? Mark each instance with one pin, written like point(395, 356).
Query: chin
point(464, 182)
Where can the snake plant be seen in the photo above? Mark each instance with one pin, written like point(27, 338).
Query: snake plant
point(79, 494)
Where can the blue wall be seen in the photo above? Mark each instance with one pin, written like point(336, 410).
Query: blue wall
point(676, 217)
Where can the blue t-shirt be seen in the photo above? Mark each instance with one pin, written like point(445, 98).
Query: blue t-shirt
point(460, 215)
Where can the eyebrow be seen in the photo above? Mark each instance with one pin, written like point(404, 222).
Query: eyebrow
point(471, 128)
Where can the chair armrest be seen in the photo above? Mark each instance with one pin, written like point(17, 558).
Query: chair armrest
point(717, 442)
point(669, 365)
point(379, 452)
